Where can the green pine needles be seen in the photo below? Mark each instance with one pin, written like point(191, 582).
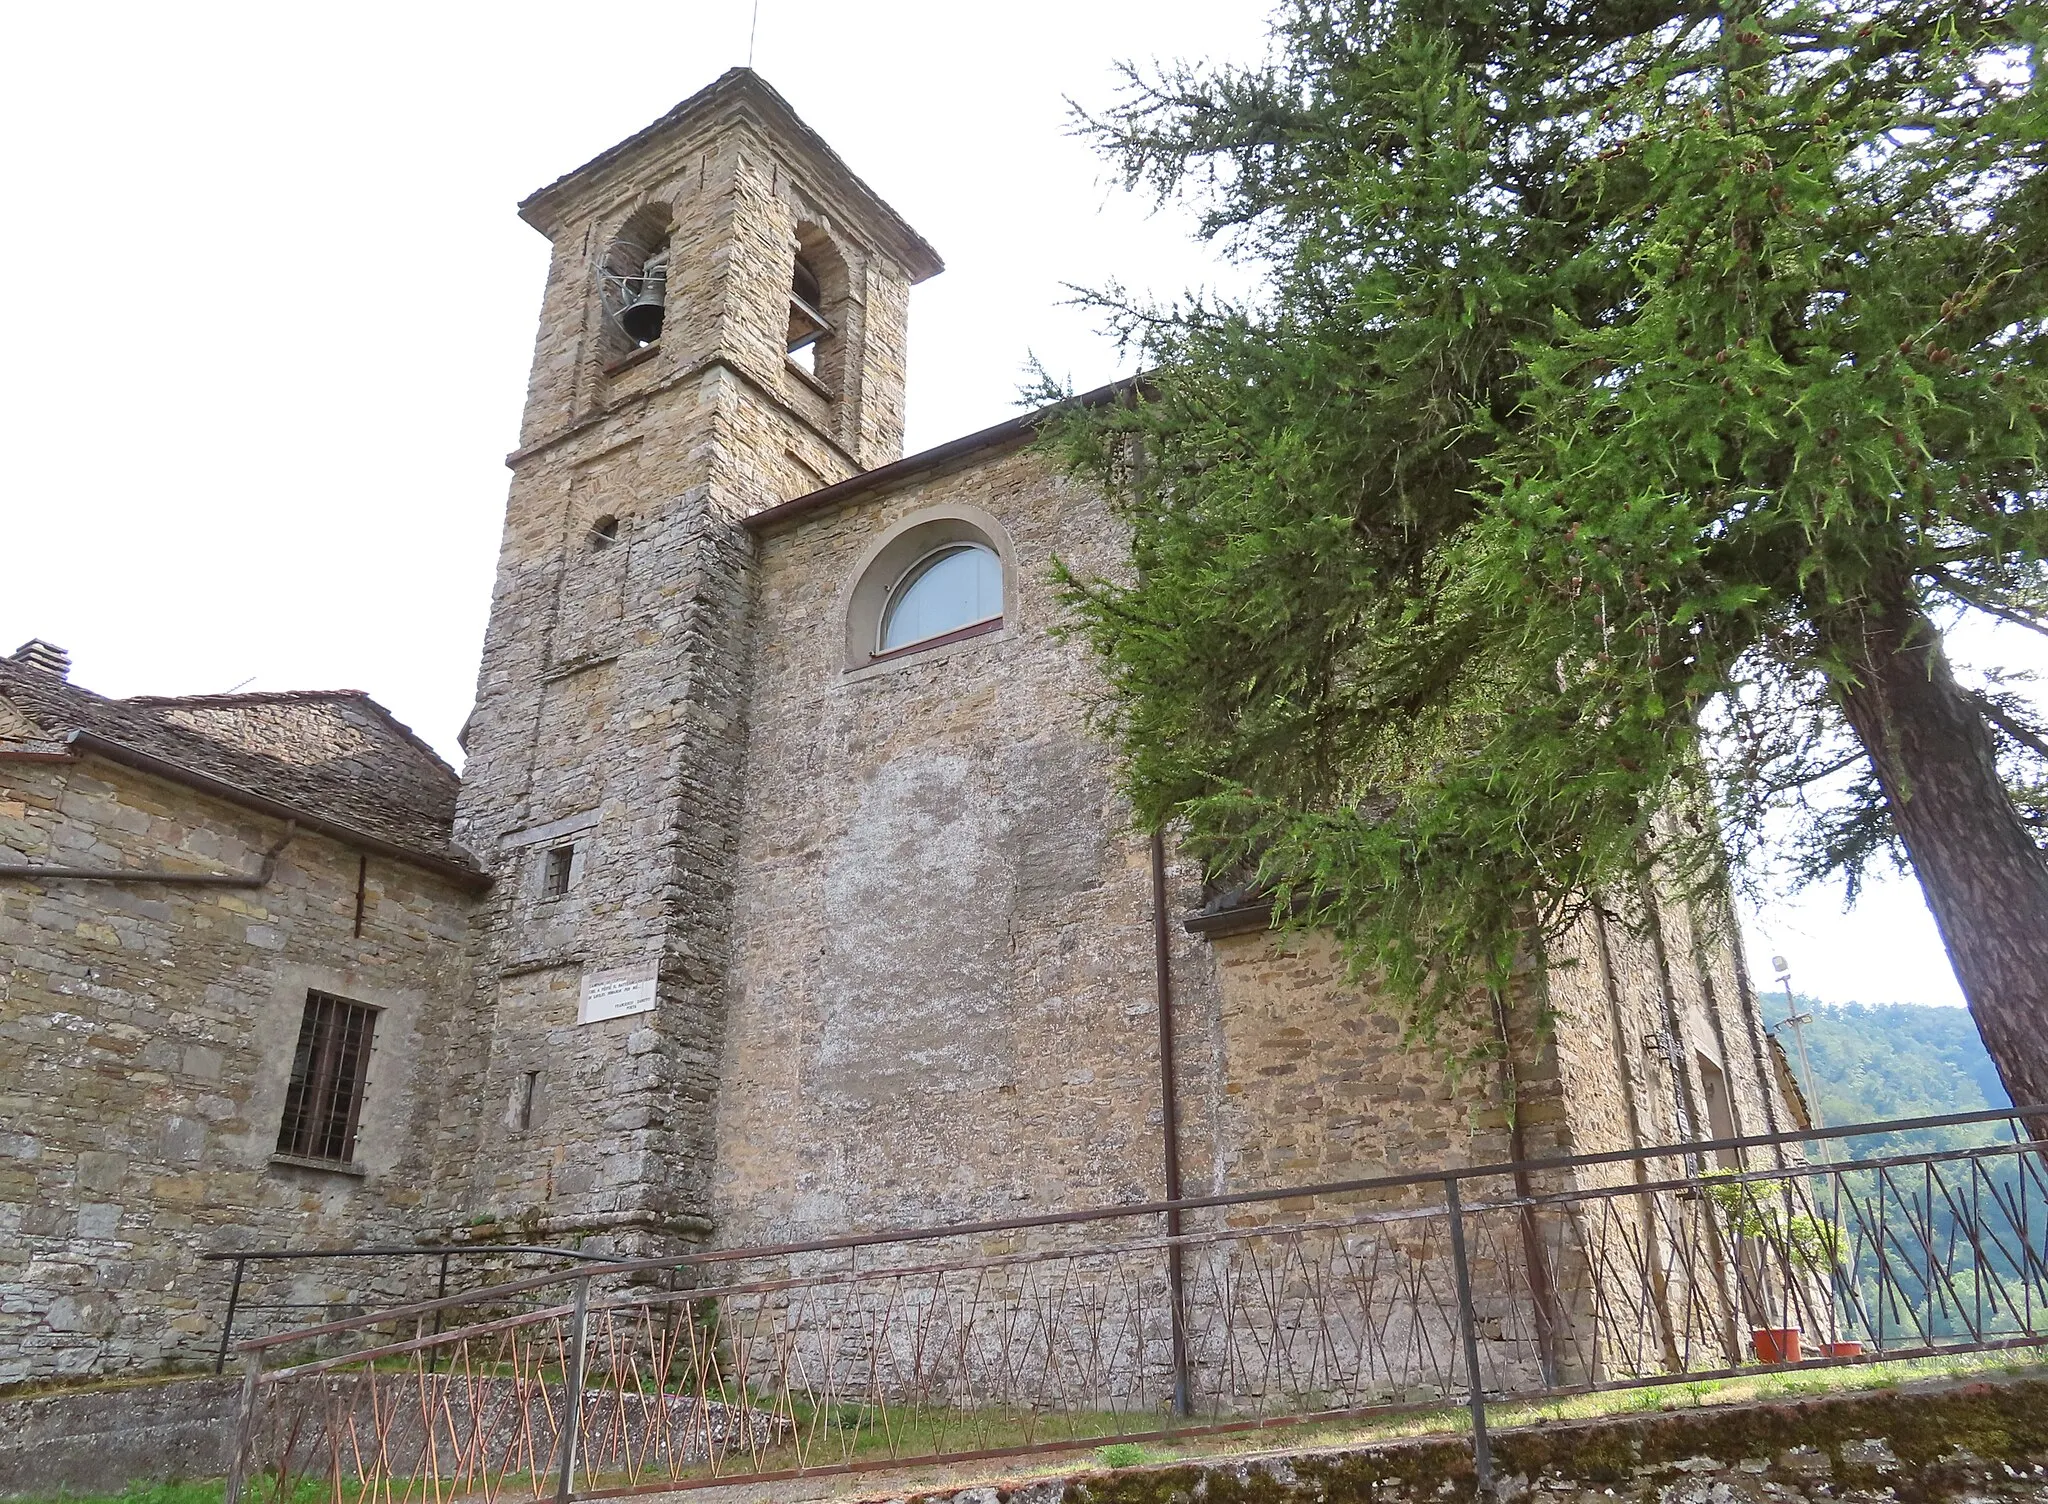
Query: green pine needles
point(1633, 387)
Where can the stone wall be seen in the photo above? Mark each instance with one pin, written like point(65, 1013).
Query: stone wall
point(610, 703)
point(1929, 1444)
point(941, 1005)
point(146, 1038)
point(1649, 972)
point(942, 1001)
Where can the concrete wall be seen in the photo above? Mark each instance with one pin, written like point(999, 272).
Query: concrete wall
point(101, 1441)
point(146, 1038)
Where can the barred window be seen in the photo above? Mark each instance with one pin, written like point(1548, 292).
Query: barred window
point(330, 1069)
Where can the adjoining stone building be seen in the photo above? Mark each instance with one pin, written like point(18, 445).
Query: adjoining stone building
point(785, 892)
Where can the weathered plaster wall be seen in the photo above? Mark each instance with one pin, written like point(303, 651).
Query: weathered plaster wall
point(941, 1001)
point(146, 1038)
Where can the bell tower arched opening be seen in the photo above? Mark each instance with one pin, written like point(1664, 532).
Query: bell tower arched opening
point(820, 308)
point(633, 283)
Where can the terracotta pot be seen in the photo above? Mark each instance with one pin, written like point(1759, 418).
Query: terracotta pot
point(1842, 1349)
point(1776, 1344)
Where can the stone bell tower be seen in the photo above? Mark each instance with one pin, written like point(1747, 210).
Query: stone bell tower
point(722, 329)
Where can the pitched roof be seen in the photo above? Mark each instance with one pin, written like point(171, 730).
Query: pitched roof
point(954, 454)
point(739, 90)
point(334, 755)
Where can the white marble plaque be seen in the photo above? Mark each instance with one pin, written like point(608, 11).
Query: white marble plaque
point(616, 993)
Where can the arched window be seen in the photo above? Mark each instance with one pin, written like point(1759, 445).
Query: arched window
point(935, 578)
point(603, 534)
point(959, 585)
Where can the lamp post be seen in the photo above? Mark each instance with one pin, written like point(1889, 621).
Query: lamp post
point(1797, 1022)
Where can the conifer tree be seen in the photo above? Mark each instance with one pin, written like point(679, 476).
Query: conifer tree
point(1633, 392)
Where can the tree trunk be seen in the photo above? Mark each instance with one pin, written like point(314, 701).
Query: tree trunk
point(1983, 877)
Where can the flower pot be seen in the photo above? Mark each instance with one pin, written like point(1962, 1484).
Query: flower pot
point(1776, 1344)
point(1842, 1349)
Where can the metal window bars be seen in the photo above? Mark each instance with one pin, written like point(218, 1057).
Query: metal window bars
point(330, 1068)
point(1298, 1306)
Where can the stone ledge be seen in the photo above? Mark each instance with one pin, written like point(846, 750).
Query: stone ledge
point(100, 1440)
point(1922, 1444)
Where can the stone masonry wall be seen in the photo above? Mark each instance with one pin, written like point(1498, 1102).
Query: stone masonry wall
point(942, 998)
point(610, 707)
point(1927, 1444)
point(1649, 971)
point(146, 1037)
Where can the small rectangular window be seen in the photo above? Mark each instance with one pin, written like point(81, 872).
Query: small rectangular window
point(554, 877)
point(330, 1070)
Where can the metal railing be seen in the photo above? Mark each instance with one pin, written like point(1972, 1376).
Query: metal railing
point(1299, 1306)
point(300, 1288)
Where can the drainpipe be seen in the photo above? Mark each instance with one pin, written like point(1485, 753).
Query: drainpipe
point(39, 873)
point(1169, 1122)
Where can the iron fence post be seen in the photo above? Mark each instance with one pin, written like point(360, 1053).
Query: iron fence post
point(440, 1292)
point(1468, 1327)
point(245, 1431)
point(227, 1327)
point(572, 1396)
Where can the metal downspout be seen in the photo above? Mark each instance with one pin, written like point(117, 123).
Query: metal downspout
point(1169, 1121)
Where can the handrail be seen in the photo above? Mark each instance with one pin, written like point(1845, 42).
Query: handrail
point(1446, 1177)
point(242, 1258)
point(400, 1251)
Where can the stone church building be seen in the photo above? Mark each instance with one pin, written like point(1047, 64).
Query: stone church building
point(786, 890)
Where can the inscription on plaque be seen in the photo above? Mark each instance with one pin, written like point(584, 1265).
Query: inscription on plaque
point(616, 993)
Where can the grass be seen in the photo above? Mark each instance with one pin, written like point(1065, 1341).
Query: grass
point(854, 1433)
point(205, 1491)
point(1123, 1454)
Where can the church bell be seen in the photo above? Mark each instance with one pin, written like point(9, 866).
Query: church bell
point(641, 318)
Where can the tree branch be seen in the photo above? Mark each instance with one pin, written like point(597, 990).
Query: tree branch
point(2005, 721)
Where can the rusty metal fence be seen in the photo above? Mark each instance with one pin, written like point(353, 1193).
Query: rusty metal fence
point(1295, 1307)
point(273, 1290)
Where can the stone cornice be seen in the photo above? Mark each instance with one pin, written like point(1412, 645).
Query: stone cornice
point(688, 374)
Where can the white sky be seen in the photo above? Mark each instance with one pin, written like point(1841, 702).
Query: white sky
point(269, 310)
